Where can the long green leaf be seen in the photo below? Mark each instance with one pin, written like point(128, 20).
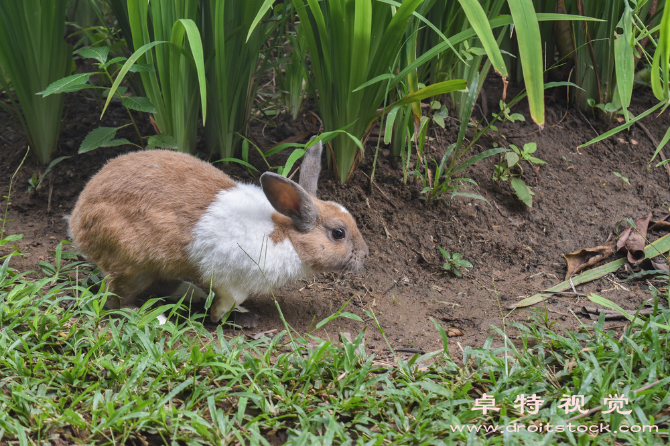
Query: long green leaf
point(662, 144)
point(498, 22)
point(293, 157)
point(616, 130)
point(124, 70)
point(261, 12)
point(625, 60)
point(659, 80)
point(426, 92)
point(633, 318)
point(195, 43)
point(530, 51)
point(660, 246)
point(480, 156)
point(480, 23)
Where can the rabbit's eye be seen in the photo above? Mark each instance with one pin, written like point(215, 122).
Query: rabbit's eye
point(338, 234)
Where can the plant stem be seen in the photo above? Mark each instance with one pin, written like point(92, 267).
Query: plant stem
point(9, 194)
point(139, 135)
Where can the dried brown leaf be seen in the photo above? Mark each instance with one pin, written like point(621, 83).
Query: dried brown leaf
point(633, 241)
point(586, 257)
point(453, 332)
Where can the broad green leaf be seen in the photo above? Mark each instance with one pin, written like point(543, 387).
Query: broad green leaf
point(98, 53)
point(439, 120)
point(97, 138)
point(113, 61)
point(116, 143)
point(63, 85)
point(522, 191)
point(162, 141)
point(139, 103)
point(530, 52)
point(511, 158)
point(480, 23)
point(624, 59)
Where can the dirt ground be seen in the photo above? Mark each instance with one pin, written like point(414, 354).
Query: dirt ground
point(516, 251)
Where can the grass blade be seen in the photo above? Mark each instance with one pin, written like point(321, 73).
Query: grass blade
point(480, 23)
point(625, 60)
point(530, 51)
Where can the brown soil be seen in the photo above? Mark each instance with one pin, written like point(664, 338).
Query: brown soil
point(516, 251)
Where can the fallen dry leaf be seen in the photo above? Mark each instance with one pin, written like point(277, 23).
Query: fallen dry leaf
point(660, 265)
point(661, 225)
point(452, 332)
point(633, 242)
point(586, 257)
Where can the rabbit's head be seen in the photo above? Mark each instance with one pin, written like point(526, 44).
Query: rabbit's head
point(323, 233)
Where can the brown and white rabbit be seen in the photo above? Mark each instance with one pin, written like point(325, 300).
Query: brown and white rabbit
point(158, 217)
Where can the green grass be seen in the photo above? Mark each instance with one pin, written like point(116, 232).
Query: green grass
point(79, 374)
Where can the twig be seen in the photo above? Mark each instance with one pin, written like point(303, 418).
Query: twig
point(381, 191)
point(51, 191)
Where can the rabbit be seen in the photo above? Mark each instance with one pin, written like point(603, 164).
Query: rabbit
point(160, 218)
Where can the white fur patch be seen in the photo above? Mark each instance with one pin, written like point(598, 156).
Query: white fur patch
point(231, 246)
point(342, 208)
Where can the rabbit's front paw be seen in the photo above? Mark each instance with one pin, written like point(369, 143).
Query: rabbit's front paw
point(192, 293)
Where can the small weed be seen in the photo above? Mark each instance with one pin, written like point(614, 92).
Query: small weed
point(512, 160)
point(567, 161)
point(454, 263)
point(623, 179)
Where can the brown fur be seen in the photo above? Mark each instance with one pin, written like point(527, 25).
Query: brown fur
point(135, 217)
point(315, 248)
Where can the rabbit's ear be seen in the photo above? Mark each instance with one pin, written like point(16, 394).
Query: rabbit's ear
point(290, 199)
point(311, 168)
